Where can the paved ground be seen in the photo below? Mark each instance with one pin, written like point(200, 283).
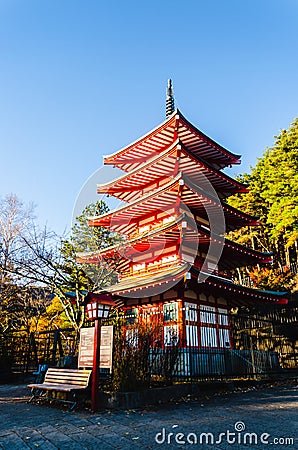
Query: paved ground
point(266, 415)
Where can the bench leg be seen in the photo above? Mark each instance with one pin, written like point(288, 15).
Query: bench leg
point(35, 394)
point(75, 402)
point(31, 398)
point(73, 406)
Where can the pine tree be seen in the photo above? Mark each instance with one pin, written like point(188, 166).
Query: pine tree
point(273, 197)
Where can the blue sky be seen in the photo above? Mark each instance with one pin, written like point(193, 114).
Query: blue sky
point(81, 79)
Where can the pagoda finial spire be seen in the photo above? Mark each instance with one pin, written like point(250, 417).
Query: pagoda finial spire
point(170, 103)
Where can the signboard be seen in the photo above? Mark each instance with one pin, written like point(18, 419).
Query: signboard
point(86, 347)
point(106, 347)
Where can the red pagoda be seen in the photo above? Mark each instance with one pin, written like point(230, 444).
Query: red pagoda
point(175, 262)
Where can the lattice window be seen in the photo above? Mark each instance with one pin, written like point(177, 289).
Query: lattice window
point(208, 337)
point(223, 316)
point(224, 338)
point(192, 338)
point(208, 314)
point(170, 311)
point(191, 311)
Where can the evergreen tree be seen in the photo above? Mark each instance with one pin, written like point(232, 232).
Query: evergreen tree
point(273, 197)
point(88, 240)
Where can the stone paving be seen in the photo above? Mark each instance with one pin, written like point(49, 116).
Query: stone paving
point(266, 414)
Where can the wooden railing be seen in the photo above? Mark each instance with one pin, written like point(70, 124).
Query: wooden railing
point(152, 270)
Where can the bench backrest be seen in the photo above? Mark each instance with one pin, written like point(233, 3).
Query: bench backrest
point(67, 376)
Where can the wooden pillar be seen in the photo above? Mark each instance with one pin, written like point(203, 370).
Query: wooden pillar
point(95, 368)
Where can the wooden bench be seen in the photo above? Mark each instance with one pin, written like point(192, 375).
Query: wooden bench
point(69, 381)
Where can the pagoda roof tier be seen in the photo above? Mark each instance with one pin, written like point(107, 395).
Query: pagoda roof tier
point(145, 282)
point(178, 191)
point(233, 255)
point(154, 172)
point(237, 294)
point(161, 137)
point(138, 240)
point(158, 238)
point(147, 285)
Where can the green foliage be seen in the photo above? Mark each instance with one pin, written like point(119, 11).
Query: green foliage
point(280, 186)
point(273, 197)
point(54, 317)
point(85, 239)
point(273, 279)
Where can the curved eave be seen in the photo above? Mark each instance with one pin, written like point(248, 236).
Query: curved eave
point(163, 165)
point(148, 235)
point(161, 237)
point(125, 215)
point(111, 159)
point(259, 257)
point(248, 220)
point(238, 294)
point(232, 157)
point(232, 255)
point(163, 135)
point(234, 218)
point(123, 219)
point(146, 282)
